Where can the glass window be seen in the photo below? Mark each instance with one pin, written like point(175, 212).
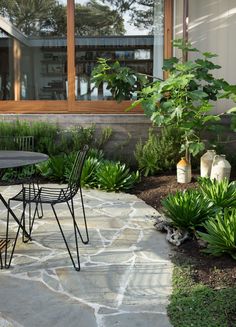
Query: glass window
point(128, 31)
point(39, 28)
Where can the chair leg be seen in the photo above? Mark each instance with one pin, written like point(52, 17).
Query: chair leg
point(85, 221)
point(7, 265)
point(1, 262)
point(76, 265)
point(35, 190)
point(72, 211)
point(33, 218)
point(39, 212)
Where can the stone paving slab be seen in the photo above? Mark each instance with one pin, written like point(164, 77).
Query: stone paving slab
point(125, 276)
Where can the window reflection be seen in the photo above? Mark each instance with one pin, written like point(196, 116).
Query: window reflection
point(39, 27)
point(130, 32)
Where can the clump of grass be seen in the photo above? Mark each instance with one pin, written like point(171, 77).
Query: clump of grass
point(193, 304)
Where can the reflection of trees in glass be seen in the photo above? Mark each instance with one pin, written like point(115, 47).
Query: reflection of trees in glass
point(29, 16)
point(48, 17)
point(95, 18)
point(140, 11)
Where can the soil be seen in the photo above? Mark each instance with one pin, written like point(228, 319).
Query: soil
point(216, 272)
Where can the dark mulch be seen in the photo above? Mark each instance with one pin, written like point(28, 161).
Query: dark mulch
point(216, 272)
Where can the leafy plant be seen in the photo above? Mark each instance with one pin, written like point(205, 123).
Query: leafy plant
point(183, 99)
point(113, 176)
point(50, 138)
point(221, 193)
point(105, 136)
point(9, 175)
point(96, 153)
point(54, 168)
point(187, 210)
point(121, 81)
point(89, 176)
point(221, 234)
point(159, 152)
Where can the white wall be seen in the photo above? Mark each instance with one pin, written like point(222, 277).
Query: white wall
point(212, 27)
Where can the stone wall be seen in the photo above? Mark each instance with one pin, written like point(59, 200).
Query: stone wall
point(127, 129)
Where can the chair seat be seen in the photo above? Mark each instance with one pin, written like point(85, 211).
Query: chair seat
point(43, 195)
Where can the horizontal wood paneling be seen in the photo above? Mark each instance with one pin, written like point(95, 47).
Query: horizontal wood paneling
point(88, 107)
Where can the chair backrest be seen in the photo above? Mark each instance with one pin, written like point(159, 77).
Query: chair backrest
point(75, 176)
point(21, 143)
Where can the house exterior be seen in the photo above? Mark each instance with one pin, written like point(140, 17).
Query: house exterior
point(48, 78)
point(211, 27)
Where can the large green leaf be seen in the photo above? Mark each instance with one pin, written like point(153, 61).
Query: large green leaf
point(221, 234)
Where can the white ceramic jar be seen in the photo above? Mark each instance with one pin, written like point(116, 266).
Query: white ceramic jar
point(221, 168)
point(184, 172)
point(206, 163)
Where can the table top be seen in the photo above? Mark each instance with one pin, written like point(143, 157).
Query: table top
point(12, 159)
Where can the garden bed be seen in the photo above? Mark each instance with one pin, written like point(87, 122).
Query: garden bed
point(213, 271)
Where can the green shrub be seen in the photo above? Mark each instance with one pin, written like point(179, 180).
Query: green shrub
point(121, 80)
point(187, 210)
point(104, 137)
point(160, 152)
point(221, 234)
point(221, 193)
point(62, 146)
point(89, 177)
point(51, 138)
point(45, 134)
point(113, 176)
point(54, 168)
point(96, 153)
point(10, 174)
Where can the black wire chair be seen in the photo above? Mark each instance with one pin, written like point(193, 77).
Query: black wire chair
point(53, 196)
point(22, 143)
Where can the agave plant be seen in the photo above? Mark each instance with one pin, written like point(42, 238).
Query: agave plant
point(221, 193)
point(88, 177)
point(221, 234)
point(96, 153)
point(54, 168)
point(113, 176)
point(187, 209)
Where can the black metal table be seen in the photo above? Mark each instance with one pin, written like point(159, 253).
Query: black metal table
point(13, 159)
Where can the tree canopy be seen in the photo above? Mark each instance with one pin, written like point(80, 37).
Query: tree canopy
point(140, 12)
point(97, 19)
point(28, 16)
point(48, 17)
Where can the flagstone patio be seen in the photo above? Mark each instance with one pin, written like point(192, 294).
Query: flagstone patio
point(125, 276)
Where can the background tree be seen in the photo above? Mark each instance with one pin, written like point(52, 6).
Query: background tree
point(95, 18)
point(48, 17)
point(55, 23)
point(28, 16)
point(141, 12)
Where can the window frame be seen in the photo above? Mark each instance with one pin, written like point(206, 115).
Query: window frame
point(71, 105)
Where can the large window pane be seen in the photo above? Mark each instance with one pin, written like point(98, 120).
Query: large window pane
point(128, 31)
point(39, 27)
